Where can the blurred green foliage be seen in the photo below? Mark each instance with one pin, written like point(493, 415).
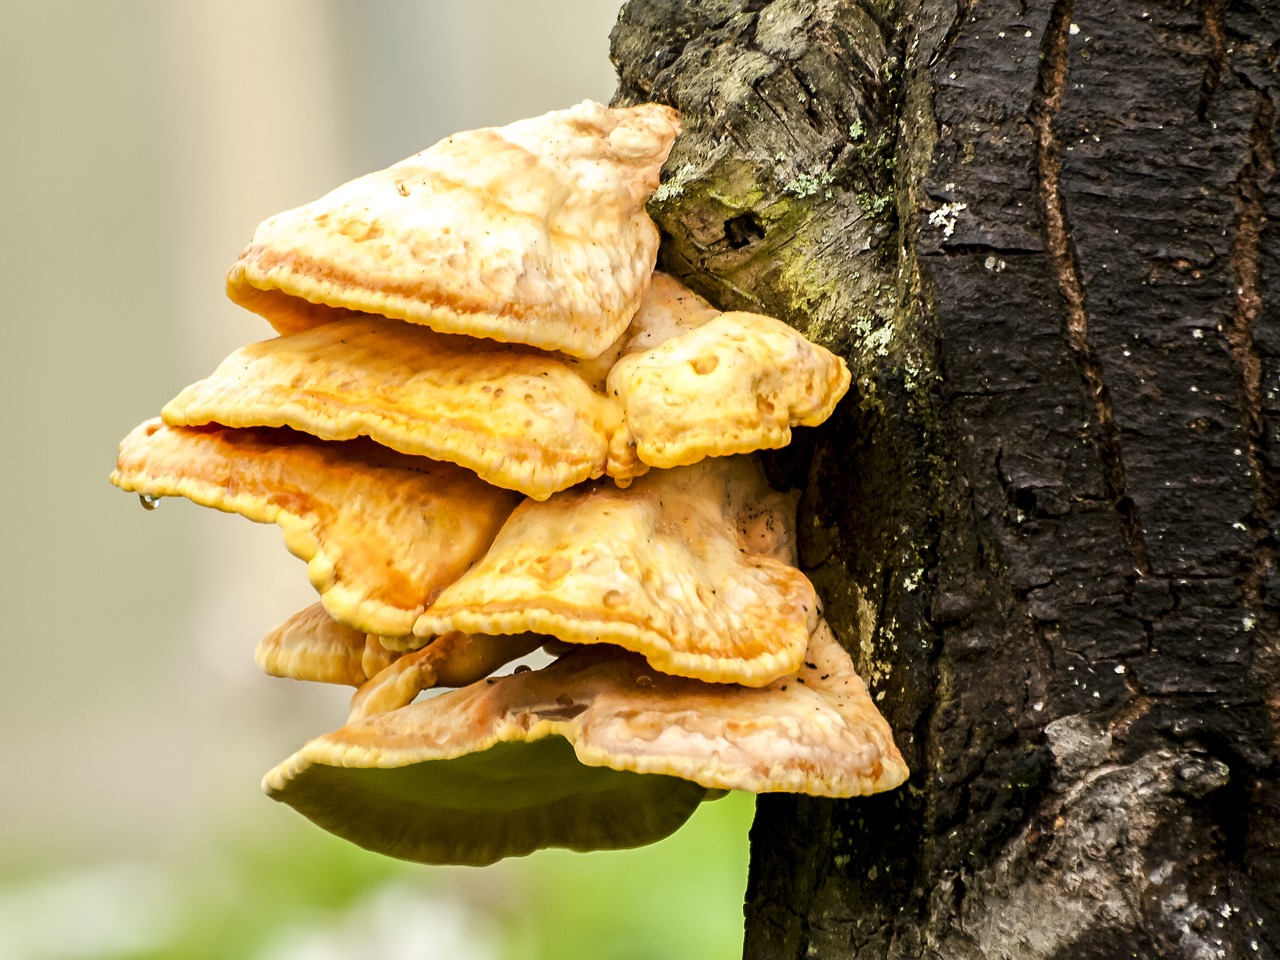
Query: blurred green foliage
point(678, 898)
point(301, 894)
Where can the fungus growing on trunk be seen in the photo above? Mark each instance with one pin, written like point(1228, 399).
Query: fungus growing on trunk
point(681, 383)
point(382, 533)
point(477, 774)
point(652, 556)
point(660, 568)
point(530, 233)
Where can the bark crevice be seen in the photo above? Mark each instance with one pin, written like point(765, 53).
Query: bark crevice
point(1246, 254)
point(1247, 311)
point(1065, 262)
point(1211, 24)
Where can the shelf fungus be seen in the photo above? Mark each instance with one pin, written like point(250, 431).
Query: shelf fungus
point(387, 674)
point(660, 568)
point(681, 383)
point(313, 646)
point(382, 533)
point(595, 751)
point(530, 233)
point(554, 451)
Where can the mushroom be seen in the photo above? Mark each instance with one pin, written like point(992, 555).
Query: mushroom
point(453, 660)
point(540, 356)
point(530, 233)
point(485, 772)
point(311, 645)
point(504, 791)
point(518, 417)
point(683, 382)
point(662, 568)
point(382, 533)
point(736, 384)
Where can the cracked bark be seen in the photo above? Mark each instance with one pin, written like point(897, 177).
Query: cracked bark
point(1045, 522)
point(1062, 252)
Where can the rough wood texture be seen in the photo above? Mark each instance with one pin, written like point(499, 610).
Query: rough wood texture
point(1044, 235)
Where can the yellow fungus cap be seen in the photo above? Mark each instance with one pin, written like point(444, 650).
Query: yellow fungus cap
point(664, 568)
point(737, 383)
point(311, 645)
point(473, 776)
point(453, 660)
point(530, 233)
point(683, 382)
point(551, 757)
point(520, 418)
point(816, 731)
point(382, 533)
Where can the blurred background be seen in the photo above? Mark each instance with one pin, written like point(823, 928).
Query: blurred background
point(145, 142)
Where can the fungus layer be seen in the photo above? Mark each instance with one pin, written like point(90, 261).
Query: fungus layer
point(453, 660)
point(530, 233)
point(664, 568)
point(382, 533)
point(683, 382)
point(495, 795)
point(518, 417)
point(736, 384)
point(311, 645)
point(480, 773)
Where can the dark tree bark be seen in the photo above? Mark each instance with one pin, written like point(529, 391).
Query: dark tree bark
point(1045, 521)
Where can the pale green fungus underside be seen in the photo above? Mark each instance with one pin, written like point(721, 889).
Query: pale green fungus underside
point(508, 800)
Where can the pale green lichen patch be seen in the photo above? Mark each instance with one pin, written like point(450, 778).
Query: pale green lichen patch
point(674, 185)
point(806, 185)
point(874, 203)
point(873, 335)
point(874, 669)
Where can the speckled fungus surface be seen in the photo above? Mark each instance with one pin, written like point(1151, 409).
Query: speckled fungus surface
point(736, 384)
point(530, 233)
point(542, 358)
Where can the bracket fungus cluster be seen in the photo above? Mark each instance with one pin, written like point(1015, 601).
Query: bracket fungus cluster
point(489, 427)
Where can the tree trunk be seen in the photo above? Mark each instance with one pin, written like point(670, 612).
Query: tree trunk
point(1045, 521)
